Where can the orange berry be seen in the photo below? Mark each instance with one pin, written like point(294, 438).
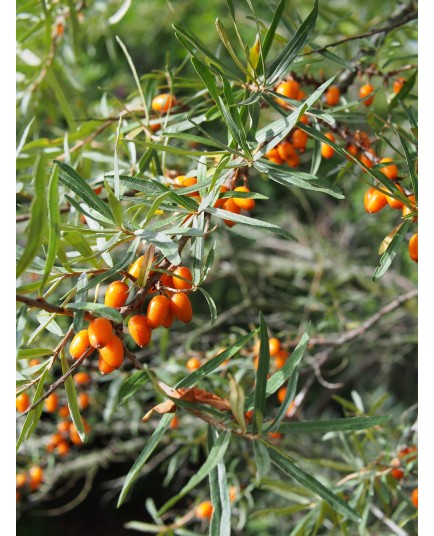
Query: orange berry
point(166, 280)
point(230, 206)
point(301, 95)
point(391, 171)
point(51, 403)
point(180, 284)
point(113, 352)
point(154, 126)
point(368, 160)
point(326, 150)
point(294, 161)
point(100, 332)
point(299, 139)
point(304, 119)
point(290, 89)
point(286, 150)
point(62, 448)
point(81, 378)
point(352, 149)
point(397, 473)
point(80, 344)
point(116, 294)
point(233, 492)
point(204, 510)
point(158, 308)
point(404, 453)
point(174, 423)
point(180, 305)
point(275, 435)
point(63, 426)
point(414, 497)
point(220, 201)
point(34, 362)
point(281, 358)
point(98, 190)
point(281, 393)
point(406, 210)
point(36, 476)
point(103, 367)
point(21, 480)
point(362, 138)
point(163, 102)
point(395, 203)
point(364, 91)
point(83, 401)
point(188, 181)
point(168, 321)
point(274, 345)
point(139, 330)
point(397, 85)
point(245, 204)
point(74, 435)
point(273, 156)
point(374, 201)
point(332, 96)
point(412, 248)
point(193, 364)
point(22, 402)
point(135, 267)
point(63, 412)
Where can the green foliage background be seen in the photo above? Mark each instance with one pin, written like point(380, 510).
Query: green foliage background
point(324, 279)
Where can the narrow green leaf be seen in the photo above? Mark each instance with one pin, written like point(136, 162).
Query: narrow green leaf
point(269, 36)
point(131, 385)
point(221, 520)
point(98, 309)
point(262, 460)
point(37, 219)
point(410, 164)
point(261, 377)
point(405, 90)
point(281, 460)
point(390, 253)
point(71, 397)
point(64, 106)
point(115, 205)
point(80, 298)
point(348, 424)
point(53, 224)
point(289, 396)
point(236, 400)
point(211, 305)
point(215, 455)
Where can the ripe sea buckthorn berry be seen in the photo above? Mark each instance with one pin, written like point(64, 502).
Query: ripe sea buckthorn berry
point(352, 149)
point(98, 190)
point(74, 435)
point(158, 308)
point(274, 345)
point(413, 248)
point(220, 201)
point(62, 448)
point(367, 160)
point(81, 378)
point(364, 91)
point(245, 204)
point(281, 358)
point(166, 280)
point(113, 352)
point(404, 453)
point(163, 102)
point(397, 85)
point(135, 267)
point(290, 89)
point(362, 138)
point(168, 321)
point(230, 206)
point(180, 284)
point(63, 426)
point(374, 201)
point(140, 330)
point(51, 403)
point(395, 203)
point(299, 139)
point(304, 119)
point(80, 344)
point(332, 96)
point(273, 156)
point(21, 480)
point(275, 435)
point(22, 402)
point(204, 510)
point(326, 150)
point(301, 95)
point(286, 150)
point(103, 367)
point(293, 161)
point(36, 476)
point(83, 401)
point(281, 393)
point(193, 364)
point(397, 473)
point(391, 171)
point(174, 423)
point(180, 305)
point(100, 332)
point(34, 362)
point(116, 294)
point(406, 211)
point(414, 497)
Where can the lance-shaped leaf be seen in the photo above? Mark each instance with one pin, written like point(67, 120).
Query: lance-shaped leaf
point(221, 520)
point(71, 397)
point(53, 224)
point(348, 424)
point(261, 377)
point(392, 250)
point(98, 309)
